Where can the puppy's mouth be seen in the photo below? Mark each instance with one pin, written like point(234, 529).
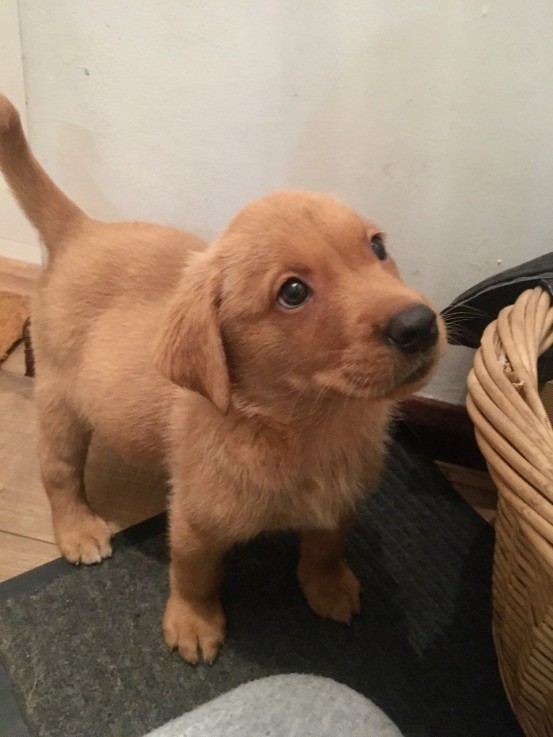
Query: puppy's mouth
point(418, 373)
point(387, 384)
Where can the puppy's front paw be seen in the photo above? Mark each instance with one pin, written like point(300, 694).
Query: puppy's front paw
point(83, 537)
point(331, 592)
point(196, 630)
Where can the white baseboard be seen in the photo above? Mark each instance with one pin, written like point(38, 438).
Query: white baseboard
point(20, 251)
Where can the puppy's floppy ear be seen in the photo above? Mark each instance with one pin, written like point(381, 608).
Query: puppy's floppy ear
point(189, 349)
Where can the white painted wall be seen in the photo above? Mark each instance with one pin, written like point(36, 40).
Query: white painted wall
point(435, 118)
point(17, 238)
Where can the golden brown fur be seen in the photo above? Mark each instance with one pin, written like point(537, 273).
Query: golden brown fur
point(179, 354)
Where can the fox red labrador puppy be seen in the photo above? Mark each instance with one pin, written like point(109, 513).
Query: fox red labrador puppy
point(261, 371)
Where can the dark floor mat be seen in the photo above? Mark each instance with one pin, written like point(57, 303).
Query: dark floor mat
point(86, 657)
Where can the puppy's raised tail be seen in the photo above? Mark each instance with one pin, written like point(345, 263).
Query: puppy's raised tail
point(49, 210)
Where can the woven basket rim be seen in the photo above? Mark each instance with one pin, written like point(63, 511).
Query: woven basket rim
point(511, 424)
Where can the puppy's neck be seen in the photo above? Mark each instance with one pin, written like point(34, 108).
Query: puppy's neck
point(292, 413)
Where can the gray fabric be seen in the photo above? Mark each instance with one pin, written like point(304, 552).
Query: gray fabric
point(284, 706)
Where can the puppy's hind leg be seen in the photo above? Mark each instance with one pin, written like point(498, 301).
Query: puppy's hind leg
point(81, 535)
point(329, 585)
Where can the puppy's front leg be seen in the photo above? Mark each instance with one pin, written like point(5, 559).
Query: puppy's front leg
point(194, 622)
point(330, 587)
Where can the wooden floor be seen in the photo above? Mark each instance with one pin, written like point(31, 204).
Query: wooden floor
point(17, 276)
point(476, 487)
point(118, 491)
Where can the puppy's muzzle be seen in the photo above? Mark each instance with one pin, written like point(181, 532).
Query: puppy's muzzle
point(413, 330)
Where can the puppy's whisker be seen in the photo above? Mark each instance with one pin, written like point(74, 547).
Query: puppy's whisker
point(455, 319)
point(461, 334)
point(464, 311)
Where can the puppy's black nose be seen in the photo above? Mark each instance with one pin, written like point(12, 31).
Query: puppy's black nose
point(412, 330)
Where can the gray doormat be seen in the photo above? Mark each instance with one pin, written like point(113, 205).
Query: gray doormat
point(85, 655)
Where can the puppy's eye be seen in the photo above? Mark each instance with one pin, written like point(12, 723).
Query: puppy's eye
point(377, 244)
point(293, 293)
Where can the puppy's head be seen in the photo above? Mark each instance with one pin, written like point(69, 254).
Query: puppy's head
point(299, 294)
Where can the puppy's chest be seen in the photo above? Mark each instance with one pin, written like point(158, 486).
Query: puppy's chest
point(330, 487)
point(314, 482)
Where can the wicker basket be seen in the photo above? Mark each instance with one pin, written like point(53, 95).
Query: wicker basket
point(516, 438)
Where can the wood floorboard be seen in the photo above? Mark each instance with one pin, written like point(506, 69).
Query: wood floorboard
point(19, 554)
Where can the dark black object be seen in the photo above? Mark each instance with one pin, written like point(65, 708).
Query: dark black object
point(470, 312)
point(85, 653)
